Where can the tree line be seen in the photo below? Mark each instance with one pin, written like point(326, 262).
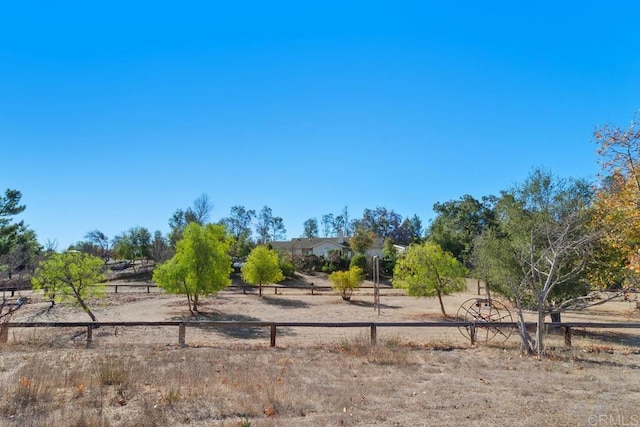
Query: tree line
point(249, 229)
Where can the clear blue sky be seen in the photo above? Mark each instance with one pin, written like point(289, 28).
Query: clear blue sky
point(114, 114)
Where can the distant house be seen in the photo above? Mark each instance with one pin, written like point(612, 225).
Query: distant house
point(400, 249)
point(378, 248)
point(319, 246)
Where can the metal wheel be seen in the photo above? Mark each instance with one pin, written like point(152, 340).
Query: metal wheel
point(480, 310)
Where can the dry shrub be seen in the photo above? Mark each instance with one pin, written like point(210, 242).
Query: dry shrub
point(45, 338)
point(30, 389)
point(391, 352)
point(113, 371)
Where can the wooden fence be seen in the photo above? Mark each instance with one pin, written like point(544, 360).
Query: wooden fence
point(313, 289)
point(273, 326)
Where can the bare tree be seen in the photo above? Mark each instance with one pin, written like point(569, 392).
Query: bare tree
point(98, 238)
point(555, 254)
point(539, 246)
point(202, 208)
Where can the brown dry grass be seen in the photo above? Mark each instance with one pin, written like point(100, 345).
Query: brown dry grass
point(140, 377)
point(349, 383)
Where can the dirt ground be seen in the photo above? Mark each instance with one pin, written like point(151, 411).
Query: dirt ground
point(294, 303)
point(315, 376)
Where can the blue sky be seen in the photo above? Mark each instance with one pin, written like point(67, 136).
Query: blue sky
point(115, 114)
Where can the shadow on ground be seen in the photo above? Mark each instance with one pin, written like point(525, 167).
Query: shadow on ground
point(369, 304)
point(612, 337)
point(241, 332)
point(284, 302)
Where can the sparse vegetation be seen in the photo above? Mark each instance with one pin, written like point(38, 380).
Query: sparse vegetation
point(262, 267)
point(201, 265)
point(353, 382)
point(345, 282)
point(72, 278)
point(391, 352)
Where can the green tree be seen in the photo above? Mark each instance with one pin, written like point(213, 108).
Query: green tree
point(100, 240)
point(23, 253)
point(389, 250)
point(459, 222)
point(362, 240)
point(177, 223)
point(262, 267)
point(410, 231)
point(426, 270)
point(346, 231)
point(71, 278)
point(9, 206)
point(333, 225)
point(201, 265)
point(239, 225)
point(310, 228)
point(287, 267)
point(346, 282)
point(159, 250)
point(328, 224)
point(18, 244)
point(198, 213)
point(133, 245)
point(538, 252)
point(269, 228)
point(381, 221)
point(359, 260)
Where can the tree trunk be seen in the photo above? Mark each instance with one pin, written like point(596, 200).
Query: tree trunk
point(522, 326)
point(186, 290)
point(87, 310)
point(189, 304)
point(260, 289)
point(540, 329)
point(83, 305)
point(441, 304)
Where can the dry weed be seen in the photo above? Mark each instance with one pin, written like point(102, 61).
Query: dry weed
point(353, 383)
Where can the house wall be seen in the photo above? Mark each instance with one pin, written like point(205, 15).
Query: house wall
point(324, 248)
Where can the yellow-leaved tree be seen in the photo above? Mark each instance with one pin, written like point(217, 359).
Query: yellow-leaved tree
point(346, 282)
point(262, 267)
point(201, 265)
point(618, 199)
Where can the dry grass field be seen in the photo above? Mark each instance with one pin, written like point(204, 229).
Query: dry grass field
point(139, 376)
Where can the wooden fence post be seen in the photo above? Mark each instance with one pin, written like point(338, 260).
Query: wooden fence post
point(472, 334)
point(89, 335)
point(181, 334)
point(374, 335)
point(273, 335)
point(567, 336)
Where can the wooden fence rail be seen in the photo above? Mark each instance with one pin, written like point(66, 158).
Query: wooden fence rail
point(148, 286)
point(273, 326)
point(245, 288)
